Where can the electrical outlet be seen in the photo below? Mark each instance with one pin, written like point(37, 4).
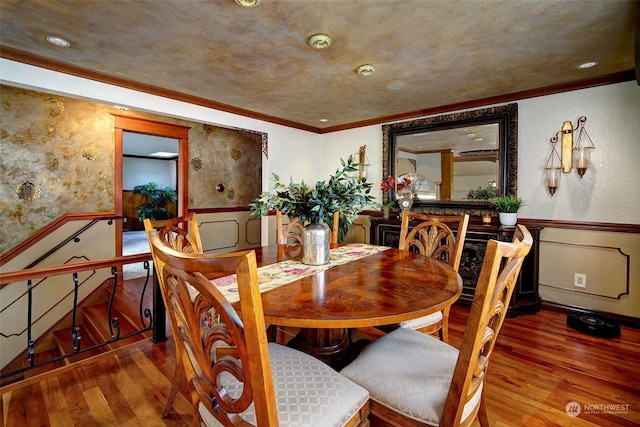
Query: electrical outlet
point(579, 280)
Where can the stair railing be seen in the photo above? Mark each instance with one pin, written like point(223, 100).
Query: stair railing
point(148, 321)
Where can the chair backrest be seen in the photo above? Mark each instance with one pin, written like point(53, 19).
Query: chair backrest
point(500, 269)
point(294, 229)
point(181, 234)
point(335, 227)
point(434, 236)
point(205, 319)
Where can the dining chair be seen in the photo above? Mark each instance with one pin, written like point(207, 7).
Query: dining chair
point(181, 234)
point(433, 237)
point(263, 384)
point(429, 382)
point(293, 230)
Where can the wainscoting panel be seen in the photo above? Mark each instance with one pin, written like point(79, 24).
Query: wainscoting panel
point(606, 268)
point(228, 231)
point(610, 261)
point(359, 231)
point(253, 228)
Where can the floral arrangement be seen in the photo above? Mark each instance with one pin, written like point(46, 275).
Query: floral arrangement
point(387, 183)
point(410, 182)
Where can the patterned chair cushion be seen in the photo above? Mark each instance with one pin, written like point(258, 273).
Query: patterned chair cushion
point(423, 321)
point(308, 392)
point(409, 372)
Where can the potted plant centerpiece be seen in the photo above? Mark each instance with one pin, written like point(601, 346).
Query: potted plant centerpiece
point(508, 207)
point(314, 206)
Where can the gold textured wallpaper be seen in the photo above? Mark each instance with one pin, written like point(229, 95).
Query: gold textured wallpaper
point(57, 158)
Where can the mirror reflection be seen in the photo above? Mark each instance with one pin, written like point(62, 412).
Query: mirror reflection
point(446, 160)
point(468, 154)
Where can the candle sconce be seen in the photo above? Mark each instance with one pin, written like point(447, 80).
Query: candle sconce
point(572, 154)
point(363, 161)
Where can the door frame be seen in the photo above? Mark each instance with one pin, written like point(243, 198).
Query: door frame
point(138, 125)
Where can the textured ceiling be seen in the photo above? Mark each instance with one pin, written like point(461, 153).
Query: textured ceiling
point(257, 59)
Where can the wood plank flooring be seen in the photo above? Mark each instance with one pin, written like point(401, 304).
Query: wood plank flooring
point(539, 367)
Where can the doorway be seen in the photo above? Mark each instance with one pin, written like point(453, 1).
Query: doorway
point(147, 160)
point(134, 137)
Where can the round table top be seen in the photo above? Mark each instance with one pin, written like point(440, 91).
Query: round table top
point(383, 288)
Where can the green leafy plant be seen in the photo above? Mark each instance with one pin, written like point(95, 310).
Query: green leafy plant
point(157, 198)
point(507, 204)
point(487, 193)
point(340, 192)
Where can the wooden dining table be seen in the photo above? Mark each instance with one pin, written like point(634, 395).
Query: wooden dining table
point(383, 287)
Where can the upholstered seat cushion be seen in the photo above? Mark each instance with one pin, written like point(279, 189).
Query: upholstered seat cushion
point(308, 392)
point(409, 372)
point(423, 321)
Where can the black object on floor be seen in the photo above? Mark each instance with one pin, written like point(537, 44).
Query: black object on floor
point(593, 324)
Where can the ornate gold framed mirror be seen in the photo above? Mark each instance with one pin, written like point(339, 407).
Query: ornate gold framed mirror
point(454, 153)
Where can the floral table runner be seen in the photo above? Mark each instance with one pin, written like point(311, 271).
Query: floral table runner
point(278, 274)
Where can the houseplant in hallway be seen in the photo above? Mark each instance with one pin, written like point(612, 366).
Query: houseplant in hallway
point(508, 207)
point(315, 205)
point(157, 199)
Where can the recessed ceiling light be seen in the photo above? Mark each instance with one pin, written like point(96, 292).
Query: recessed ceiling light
point(478, 139)
point(588, 64)
point(163, 154)
point(324, 120)
point(366, 70)
point(58, 41)
point(248, 3)
point(396, 85)
point(319, 41)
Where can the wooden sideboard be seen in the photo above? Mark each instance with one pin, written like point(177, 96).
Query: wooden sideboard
point(525, 297)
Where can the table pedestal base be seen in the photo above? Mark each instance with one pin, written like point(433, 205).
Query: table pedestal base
point(332, 346)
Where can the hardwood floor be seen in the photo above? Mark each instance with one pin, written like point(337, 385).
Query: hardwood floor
point(539, 367)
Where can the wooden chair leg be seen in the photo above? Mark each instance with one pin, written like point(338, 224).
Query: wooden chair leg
point(444, 331)
point(272, 331)
point(178, 374)
point(482, 414)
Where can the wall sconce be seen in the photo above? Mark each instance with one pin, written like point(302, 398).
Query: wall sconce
point(573, 154)
point(552, 170)
point(363, 162)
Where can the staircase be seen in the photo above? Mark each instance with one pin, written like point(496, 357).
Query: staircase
point(93, 323)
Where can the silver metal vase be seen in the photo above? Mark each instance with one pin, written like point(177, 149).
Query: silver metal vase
point(316, 244)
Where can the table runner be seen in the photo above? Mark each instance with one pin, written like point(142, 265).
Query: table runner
point(278, 274)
